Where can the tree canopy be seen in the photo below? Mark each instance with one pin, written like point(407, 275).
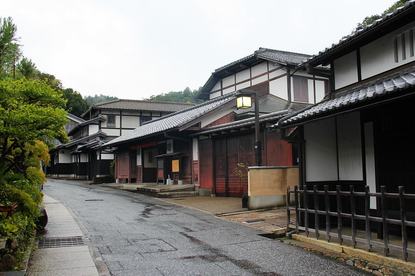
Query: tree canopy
point(372, 18)
point(184, 96)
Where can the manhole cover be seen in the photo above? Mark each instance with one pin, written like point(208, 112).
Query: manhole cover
point(94, 199)
point(61, 242)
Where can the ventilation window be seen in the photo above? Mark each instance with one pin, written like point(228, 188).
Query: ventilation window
point(403, 44)
point(395, 49)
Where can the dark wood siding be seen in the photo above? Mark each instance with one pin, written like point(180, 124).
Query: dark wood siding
point(206, 164)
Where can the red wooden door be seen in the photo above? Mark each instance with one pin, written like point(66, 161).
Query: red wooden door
point(206, 164)
point(236, 170)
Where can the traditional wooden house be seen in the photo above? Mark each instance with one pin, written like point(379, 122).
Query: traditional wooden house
point(358, 140)
point(228, 144)
point(82, 157)
point(212, 144)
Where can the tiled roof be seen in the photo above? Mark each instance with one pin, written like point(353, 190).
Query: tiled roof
point(350, 98)
point(245, 122)
point(75, 118)
point(282, 57)
point(361, 32)
point(94, 120)
point(144, 105)
point(82, 140)
point(173, 120)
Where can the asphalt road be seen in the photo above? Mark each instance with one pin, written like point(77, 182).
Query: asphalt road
point(140, 235)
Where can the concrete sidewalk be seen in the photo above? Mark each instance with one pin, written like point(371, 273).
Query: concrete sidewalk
point(61, 250)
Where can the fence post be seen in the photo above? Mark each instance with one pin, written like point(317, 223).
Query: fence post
point(352, 211)
point(403, 222)
point(384, 222)
point(327, 205)
point(306, 210)
point(297, 215)
point(367, 221)
point(316, 224)
point(288, 208)
point(339, 216)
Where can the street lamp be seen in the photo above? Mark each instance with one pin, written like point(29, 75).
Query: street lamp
point(244, 101)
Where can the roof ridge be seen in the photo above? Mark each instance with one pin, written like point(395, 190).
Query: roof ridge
point(282, 51)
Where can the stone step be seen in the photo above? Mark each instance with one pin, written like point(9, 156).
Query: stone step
point(165, 188)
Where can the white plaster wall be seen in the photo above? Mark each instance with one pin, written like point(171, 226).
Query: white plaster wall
point(320, 151)
point(214, 95)
point(139, 159)
point(345, 70)
point(310, 88)
point(230, 80)
point(278, 87)
point(259, 69)
point(107, 156)
point(378, 56)
point(349, 147)
point(130, 121)
point(216, 87)
point(242, 75)
point(111, 132)
point(277, 73)
point(228, 90)
point(93, 129)
point(65, 156)
point(370, 162)
point(84, 157)
point(320, 90)
point(125, 131)
point(243, 85)
point(259, 79)
point(195, 143)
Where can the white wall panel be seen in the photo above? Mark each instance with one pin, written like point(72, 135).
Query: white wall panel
point(310, 87)
point(277, 73)
point(83, 157)
point(243, 75)
point(195, 144)
point(216, 87)
point(228, 81)
point(320, 90)
point(349, 147)
point(228, 90)
point(278, 87)
point(243, 85)
point(345, 70)
point(125, 131)
point(259, 69)
point(130, 121)
point(107, 156)
point(260, 79)
point(214, 95)
point(370, 162)
point(139, 159)
point(320, 151)
point(65, 156)
point(93, 129)
point(111, 131)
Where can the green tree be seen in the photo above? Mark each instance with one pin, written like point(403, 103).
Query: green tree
point(75, 104)
point(9, 49)
point(30, 111)
point(370, 19)
point(96, 99)
point(185, 96)
point(27, 68)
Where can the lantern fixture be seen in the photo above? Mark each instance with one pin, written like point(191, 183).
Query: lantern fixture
point(243, 101)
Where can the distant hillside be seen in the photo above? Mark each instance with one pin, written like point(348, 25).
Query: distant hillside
point(185, 96)
point(91, 100)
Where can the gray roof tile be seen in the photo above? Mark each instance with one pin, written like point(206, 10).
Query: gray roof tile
point(173, 120)
point(143, 105)
point(350, 98)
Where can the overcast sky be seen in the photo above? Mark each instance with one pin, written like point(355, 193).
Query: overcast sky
point(134, 49)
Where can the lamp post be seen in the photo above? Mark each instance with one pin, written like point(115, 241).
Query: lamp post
point(244, 101)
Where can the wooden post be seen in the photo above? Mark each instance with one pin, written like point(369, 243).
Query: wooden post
point(367, 221)
point(384, 222)
point(403, 222)
point(316, 224)
point(352, 211)
point(306, 210)
point(327, 205)
point(339, 216)
point(297, 215)
point(288, 208)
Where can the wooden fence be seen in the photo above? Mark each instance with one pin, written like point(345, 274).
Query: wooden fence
point(336, 215)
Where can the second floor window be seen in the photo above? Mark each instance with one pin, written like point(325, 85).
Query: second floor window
point(110, 120)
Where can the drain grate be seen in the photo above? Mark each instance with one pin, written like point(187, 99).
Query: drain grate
point(61, 242)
